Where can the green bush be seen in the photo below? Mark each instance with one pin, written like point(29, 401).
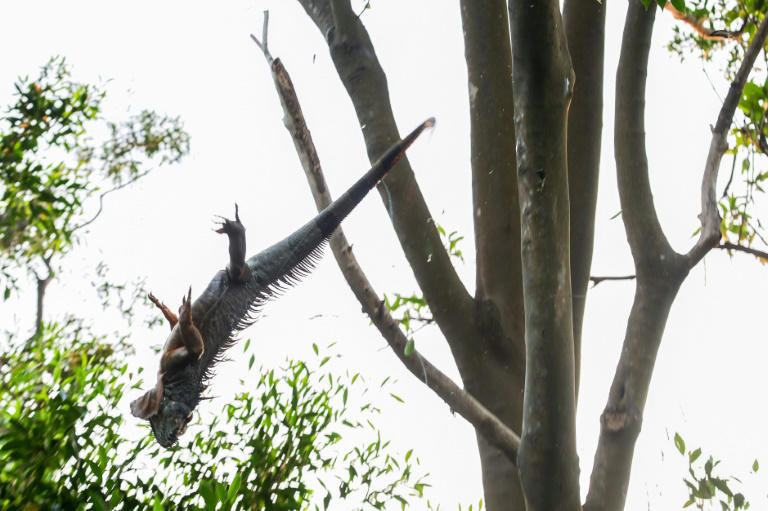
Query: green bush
point(284, 444)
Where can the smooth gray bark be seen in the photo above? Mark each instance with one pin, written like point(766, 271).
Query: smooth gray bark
point(542, 88)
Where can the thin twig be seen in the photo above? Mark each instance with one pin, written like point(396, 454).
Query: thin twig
point(740, 248)
point(263, 44)
point(732, 173)
point(101, 197)
point(599, 280)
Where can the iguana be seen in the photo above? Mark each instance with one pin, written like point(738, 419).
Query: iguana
point(206, 327)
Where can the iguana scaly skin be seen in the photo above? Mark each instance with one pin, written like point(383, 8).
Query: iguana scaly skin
point(205, 327)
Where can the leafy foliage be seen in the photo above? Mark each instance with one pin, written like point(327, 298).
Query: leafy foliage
point(704, 487)
point(64, 445)
point(50, 164)
point(719, 31)
point(59, 420)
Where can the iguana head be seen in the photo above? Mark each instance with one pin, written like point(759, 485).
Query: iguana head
point(170, 421)
point(169, 405)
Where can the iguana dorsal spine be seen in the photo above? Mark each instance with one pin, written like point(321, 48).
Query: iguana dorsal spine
point(233, 298)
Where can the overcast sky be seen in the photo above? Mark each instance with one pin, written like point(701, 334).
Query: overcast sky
point(195, 60)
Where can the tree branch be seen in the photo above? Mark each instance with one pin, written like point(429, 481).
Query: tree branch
point(493, 164)
point(649, 245)
point(740, 248)
point(459, 400)
point(263, 44)
point(598, 280)
point(365, 82)
point(710, 220)
point(497, 236)
point(705, 33)
point(104, 194)
point(584, 25)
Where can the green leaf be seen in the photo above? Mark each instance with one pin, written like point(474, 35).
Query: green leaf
point(234, 487)
point(98, 503)
point(695, 454)
point(678, 4)
point(207, 492)
point(409, 348)
point(396, 398)
point(722, 485)
point(220, 491)
point(679, 443)
point(755, 466)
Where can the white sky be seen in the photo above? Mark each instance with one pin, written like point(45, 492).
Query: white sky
point(195, 59)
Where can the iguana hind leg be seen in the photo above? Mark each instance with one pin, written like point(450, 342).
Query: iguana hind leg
point(191, 336)
point(170, 316)
point(236, 234)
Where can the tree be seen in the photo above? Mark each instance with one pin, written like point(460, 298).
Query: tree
point(51, 165)
point(517, 341)
point(292, 438)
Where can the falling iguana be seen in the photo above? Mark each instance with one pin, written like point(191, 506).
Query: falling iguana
point(205, 327)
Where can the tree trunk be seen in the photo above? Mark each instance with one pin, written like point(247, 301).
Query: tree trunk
point(542, 87)
point(498, 380)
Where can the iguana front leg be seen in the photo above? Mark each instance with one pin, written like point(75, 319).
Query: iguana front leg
point(236, 234)
point(170, 316)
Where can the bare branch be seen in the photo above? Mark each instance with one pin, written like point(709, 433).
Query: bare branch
point(710, 220)
point(598, 280)
point(649, 246)
point(584, 24)
point(493, 164)
point(459, 400)
point(263, 44)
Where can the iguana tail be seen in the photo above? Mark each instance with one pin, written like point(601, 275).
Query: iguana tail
point(290, 259)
